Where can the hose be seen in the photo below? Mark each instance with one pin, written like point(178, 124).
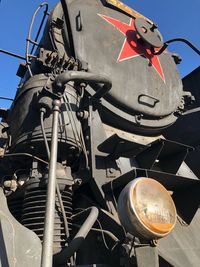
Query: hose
point(89, 78)
point(80, 236)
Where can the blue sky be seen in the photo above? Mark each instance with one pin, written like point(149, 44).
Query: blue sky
point(175, 18)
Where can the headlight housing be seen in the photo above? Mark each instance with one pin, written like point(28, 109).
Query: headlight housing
point(146, 209)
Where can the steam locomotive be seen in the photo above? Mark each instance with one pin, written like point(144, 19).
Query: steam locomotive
point(91, 174)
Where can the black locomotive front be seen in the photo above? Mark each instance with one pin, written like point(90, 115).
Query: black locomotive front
point(89, 178)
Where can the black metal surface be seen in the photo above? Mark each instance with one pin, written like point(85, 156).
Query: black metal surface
point(67, 16)
point(3, 113)
point(117, 147)
point(149, 32)
point(179, 132)
point(186, 129)
point(170, 181)
point(25, 123)
point(15, 206)
point(96, 160)
point(118, 110)
point(163, 154)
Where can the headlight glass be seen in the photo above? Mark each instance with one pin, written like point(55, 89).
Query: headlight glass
point(146, 208)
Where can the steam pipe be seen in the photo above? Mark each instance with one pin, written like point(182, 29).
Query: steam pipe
point(47, 248)
point(80, 236)
point(79, 76)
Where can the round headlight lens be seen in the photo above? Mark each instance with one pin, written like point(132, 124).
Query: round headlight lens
point(146, 209)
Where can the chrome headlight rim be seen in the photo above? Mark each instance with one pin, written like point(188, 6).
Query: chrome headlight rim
point(128, 214)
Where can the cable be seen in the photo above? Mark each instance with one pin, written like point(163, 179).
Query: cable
point(103, 236)
point(42, 112)
point(70, 118)
point(75, 132)
point(108, 233)
point(24, 154)
point(111, 235)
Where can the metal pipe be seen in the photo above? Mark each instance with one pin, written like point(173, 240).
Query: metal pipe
point(42, 112)
point(6, 98)
point(24, 154)
point(80, 236)
point(194, 48)
point(41, 24)
point(12, 54)
point(81, 76)
point(47, 247)
point(29, 34)
point(57, 186)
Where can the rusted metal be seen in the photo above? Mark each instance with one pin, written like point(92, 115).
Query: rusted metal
point(133, 13)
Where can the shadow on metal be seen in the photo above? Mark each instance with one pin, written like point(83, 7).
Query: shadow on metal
point(3, 253)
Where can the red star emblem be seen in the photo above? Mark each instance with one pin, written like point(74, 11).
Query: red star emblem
point(131, 47)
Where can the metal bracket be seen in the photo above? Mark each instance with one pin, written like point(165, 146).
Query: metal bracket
point(146, 255)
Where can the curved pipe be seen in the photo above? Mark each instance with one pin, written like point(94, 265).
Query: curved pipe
point(28, 40)
point(79, 76)
point(195, 49)
point(67, 252)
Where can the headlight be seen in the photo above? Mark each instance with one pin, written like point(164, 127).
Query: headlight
point(146, 209)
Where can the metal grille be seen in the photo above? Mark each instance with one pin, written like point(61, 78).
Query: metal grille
point(33, 213)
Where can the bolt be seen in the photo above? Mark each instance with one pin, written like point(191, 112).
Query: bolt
point(154, 27)
point(56, 102)
point(87, 137)
point(59, 94)
point(77, 181)
point(7, 183)
point(83, 85)
point(177, 58)
point(154, 242)
point(72, 148)
point(111, 170)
